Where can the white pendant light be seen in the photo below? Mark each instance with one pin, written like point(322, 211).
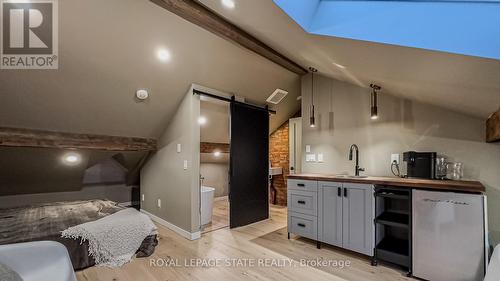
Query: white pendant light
point(312, 117)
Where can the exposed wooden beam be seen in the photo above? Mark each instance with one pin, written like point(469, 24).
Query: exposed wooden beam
point(493, 127)
point(200, 15)
point(211, 147)
point(14, 137)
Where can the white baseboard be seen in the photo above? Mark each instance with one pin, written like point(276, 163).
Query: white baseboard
point(186, 234)
point(222, 198)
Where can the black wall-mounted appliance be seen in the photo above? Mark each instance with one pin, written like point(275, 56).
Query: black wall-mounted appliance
point(420, 164)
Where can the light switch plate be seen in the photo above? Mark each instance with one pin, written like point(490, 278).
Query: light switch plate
point(320, 157)
point(185, 164)
point(395, 157)
point(179, 148)
point(142, 197)
point(159, 203)
point(308, 148)
point(310, 157)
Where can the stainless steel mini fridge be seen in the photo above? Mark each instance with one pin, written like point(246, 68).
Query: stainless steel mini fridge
point(449, 236)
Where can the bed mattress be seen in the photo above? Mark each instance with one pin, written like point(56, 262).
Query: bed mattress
point(46, 222)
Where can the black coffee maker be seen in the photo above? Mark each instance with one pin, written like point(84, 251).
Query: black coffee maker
point(420, 164)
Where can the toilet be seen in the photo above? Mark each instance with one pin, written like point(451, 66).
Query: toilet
point(207, 203)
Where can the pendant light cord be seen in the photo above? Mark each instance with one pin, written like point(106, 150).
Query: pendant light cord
point(312, 88)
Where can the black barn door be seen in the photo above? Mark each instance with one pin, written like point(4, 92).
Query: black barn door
point(249, 165)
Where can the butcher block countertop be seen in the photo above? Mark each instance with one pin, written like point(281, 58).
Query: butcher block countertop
point(444, 185)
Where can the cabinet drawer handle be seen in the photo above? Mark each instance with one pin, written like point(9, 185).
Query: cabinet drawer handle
point(301, 184)
point(339, 192)
point(301, 225)
point(345, 192)
point(301, 202)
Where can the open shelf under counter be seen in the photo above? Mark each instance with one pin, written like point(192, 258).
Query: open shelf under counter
point(397, 219)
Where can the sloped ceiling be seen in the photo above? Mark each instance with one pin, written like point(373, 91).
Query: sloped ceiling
point(25, 170)
point(466, 84)
point(107, 51)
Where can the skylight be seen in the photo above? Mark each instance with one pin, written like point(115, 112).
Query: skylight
point(456, 26)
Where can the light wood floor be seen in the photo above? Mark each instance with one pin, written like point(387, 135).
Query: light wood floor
point(262, 240)
point(220, 218)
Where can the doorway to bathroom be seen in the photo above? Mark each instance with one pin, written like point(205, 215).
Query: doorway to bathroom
point(214, 123)
point(234, 162)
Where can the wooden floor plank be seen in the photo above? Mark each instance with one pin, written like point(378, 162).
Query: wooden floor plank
point(220, 217)
point(262, 240)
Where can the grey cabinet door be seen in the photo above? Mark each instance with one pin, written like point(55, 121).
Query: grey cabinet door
point(330, 213)
point(358, 215)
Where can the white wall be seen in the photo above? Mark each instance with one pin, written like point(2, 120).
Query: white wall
point(117, 193)
point(343, 119)
point(164, 177)
point(216, 175)
point(217, 127)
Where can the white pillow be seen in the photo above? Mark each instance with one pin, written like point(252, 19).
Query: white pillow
point(7, 274)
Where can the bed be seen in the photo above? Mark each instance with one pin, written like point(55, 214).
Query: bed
point(46, 222)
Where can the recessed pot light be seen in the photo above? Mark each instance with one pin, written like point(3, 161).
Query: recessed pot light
point(72, 158)
point(202, 120)
point(217, 153)
point(163, 55)
point(228, 4)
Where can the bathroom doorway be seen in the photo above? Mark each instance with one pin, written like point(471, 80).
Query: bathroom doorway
point(234, 141)
point(214, 163)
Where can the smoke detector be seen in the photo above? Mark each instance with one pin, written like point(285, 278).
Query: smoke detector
point(277, 96)
point(141, 95)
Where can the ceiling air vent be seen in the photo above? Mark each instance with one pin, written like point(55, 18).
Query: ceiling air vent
point(277, 96)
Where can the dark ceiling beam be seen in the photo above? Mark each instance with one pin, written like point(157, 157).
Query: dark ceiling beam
point(211, 147)
point(14, 137)
point(493, 127)
point(200, 15)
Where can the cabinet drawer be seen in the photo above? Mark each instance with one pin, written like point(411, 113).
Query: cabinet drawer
point(303, 225)
point(304, 185)
point(304, 202)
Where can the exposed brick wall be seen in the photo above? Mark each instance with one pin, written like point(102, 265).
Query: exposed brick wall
point(279, 157)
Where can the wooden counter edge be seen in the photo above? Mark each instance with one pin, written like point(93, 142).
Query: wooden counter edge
point(445, 185)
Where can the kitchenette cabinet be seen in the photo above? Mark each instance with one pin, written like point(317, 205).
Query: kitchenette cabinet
point(330, 213)
point(417, 223)
point(303, 208)
point(357, 218)
point(345, 215)
point(342, 212)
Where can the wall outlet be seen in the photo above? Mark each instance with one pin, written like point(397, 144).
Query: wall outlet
point(310, 157)
point(142, 197)
point(159, 203)
point(185, 164)
point(308, 148)
point(395, 157)
point(179, 148)
point(320, 157)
